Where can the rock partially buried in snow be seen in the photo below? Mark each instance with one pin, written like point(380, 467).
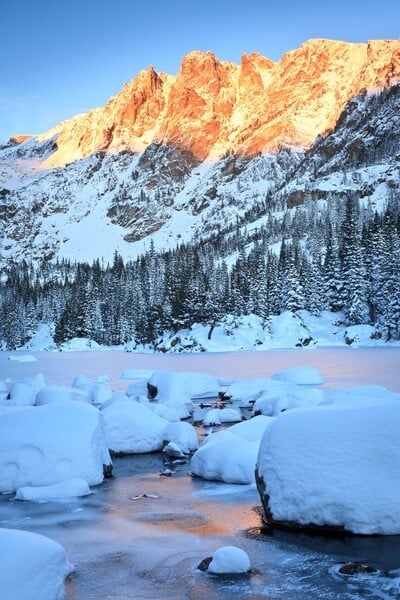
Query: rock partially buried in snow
point(52, 443)
point(173, 450)
point(229, 560)
point(333, 467)
point(32, 566)
point(300, 376)
point(72, 488)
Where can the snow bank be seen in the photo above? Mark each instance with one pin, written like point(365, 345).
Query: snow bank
point(230, 455)
point(300, 376)
point(334, 465)
point(228, 560)
point(132, 428)
point(216, 416)
point(52, 443)
point(72, 488)
point(32, 566)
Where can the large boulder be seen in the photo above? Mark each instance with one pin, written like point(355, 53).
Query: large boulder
point(32, 566)
point(52, 443)
point(334, 467)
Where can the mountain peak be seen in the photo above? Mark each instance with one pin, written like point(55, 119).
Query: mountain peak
point(215, 106)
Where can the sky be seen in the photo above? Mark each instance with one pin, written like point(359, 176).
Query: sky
point(59, 58)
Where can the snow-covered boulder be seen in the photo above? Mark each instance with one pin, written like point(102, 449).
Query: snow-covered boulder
point(32, 566)
point(216, 416)
point(224, 456)
point(300, 376)
point(137, 388)
point(334, 466)
point(52, 443)
point(231, 455)
point(272, 402)
point(24, 392)
point(3, 392)
point(72, 488)
point(171, 413)
point(228, 560)
point(58, 393)
point(246, 391)
point(132, 428)
point(171, 385)
point(182, 434)
point(172, 450)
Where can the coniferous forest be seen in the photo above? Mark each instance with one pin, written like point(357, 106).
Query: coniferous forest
point(337, 255)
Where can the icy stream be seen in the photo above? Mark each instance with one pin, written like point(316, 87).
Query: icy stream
point(149, 548)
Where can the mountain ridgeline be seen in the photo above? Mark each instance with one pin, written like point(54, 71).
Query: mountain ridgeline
point(224, 190)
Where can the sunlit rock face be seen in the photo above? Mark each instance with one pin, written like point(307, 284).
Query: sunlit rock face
point(213, 107)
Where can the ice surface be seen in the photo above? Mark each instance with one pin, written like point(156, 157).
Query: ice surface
point(23, 357)
point(229, 559)
point(52, 443)
point(32, 566)
point(336, 465)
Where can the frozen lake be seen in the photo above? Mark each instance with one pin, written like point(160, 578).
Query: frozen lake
point(149, 548)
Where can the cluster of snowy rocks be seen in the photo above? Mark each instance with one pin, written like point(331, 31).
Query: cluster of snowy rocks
point(320, 457)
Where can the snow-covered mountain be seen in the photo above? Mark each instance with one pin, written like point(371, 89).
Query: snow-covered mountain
point(174, 158)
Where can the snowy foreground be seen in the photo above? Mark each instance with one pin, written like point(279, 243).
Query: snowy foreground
point(325, 458)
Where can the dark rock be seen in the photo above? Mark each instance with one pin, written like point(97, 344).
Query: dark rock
point(203, 566)
point(152, 391)
point(107, 471)
point(355, 568)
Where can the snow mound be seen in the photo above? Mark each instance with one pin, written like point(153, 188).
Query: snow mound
point(32, 566)
point(231, 455)
point(171, 385)
point(23, 358)
point(273, 402)
point(228, 560)
point(182, 434)
point(132, 428)
point(334, 465)
point(72, 488)
point(24, 392)
point(137, 389)
point(52, 443)
point(216, 416)
point(58, 393)
point(300, 376)
point(247, 391)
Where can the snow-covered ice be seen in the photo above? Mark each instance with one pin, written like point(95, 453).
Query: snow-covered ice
point(32, 566)
point(23, 358)
point(52, 443)
point(228, 560)
point(137, 374)
point(300, 376)
point(71, 488)
point(336, 465)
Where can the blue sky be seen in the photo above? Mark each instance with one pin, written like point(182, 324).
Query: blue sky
point(60, 58)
